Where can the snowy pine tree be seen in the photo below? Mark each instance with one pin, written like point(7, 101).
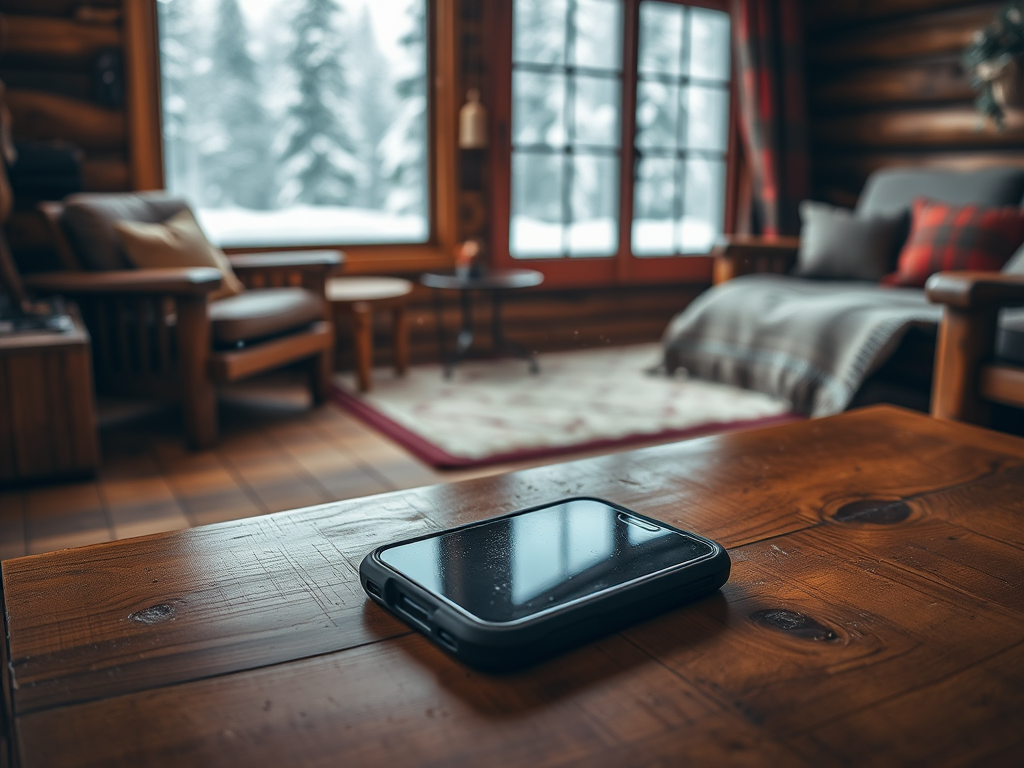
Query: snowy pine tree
point(240, 167)
point(177, 59)
point(373, 100)
point(405, 145)
point(320, 158)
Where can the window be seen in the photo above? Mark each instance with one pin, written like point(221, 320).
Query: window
point(682, 129)
point(618, 137)
point(566, 136)
point(298, 122)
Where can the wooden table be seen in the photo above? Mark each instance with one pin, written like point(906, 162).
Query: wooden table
point(875, 616)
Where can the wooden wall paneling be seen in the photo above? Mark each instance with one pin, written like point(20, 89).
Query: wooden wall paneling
point(64, 81)
point(928, 81)
point(885, 88)
point(545, 321)
point(819, 16)
point(40, 37)
point(472, 71)
point(948, 127)
point(26, 229)
point(856, 167)
point(56, 7)
point(47, 52)
point(926, 34)
point(106, 172)
point(42, 116)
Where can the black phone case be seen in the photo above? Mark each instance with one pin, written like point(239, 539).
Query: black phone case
point(506, 646)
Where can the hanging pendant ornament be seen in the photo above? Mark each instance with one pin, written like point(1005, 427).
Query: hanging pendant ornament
point(472, 122)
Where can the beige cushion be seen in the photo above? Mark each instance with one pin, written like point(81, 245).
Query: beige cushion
point(88, 220)
point(177, 242)
point(267, 312)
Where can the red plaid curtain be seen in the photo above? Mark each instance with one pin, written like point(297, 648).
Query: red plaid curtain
point(768, 38)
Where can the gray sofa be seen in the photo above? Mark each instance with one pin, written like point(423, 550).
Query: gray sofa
point(827, 345)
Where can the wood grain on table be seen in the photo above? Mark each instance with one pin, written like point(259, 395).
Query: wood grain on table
point(875, 613)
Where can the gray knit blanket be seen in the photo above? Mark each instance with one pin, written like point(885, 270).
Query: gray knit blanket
point(812, 343)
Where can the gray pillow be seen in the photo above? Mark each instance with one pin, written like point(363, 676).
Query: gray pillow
point(1015, 266)
point(836, 243)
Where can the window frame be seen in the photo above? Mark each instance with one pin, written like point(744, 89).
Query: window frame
point(622, 268)
point(145, 129)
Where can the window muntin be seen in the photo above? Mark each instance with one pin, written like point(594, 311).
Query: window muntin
point(566, 107)
point(298, 122)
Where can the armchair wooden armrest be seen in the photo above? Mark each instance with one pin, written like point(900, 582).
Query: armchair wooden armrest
point(309, 269)
point(304, 261)
point(737, 255)
point(976, 290)
point(965, 380)
point(191, 281)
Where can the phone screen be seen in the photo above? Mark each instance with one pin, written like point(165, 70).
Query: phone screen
point(517, 566)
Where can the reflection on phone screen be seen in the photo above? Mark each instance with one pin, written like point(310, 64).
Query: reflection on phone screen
point(514, 567)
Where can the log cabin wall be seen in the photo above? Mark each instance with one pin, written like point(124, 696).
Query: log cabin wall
point(541, 320)
point(49, 51)
point(885, 88)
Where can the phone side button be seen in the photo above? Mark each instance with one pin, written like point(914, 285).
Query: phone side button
point(446, 639)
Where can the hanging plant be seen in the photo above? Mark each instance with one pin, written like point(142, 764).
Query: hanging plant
point(992, 61)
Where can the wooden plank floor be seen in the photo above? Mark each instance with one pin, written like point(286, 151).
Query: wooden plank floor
point(275, 453)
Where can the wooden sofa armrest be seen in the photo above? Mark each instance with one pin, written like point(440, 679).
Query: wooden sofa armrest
point(976, 290)
point(307, 268)
point(966, 343)
point(192, 281)
point(737, 255)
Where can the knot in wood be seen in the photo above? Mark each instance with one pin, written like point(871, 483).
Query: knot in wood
point(877, 511)
point(154, 614)
point(794, 623)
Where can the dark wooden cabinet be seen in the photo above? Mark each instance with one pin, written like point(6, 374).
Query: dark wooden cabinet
point(47, 407)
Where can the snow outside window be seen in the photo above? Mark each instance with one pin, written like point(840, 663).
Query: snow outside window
point(297, 122)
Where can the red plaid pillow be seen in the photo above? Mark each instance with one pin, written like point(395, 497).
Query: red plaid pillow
point(946, 237)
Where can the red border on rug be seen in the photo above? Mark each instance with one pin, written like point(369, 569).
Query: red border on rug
point(430, 453)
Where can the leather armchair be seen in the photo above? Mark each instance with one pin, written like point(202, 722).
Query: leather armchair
point(156, 332)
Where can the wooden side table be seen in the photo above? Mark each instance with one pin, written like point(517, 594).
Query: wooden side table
point(358, 297)
point(47, 407)
point(494, 284)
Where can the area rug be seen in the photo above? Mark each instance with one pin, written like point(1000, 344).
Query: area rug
point(494, 411)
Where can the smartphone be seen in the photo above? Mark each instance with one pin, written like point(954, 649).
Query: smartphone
point(506, 592)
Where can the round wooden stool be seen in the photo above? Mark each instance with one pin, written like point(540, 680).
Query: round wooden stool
point(359, 297)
